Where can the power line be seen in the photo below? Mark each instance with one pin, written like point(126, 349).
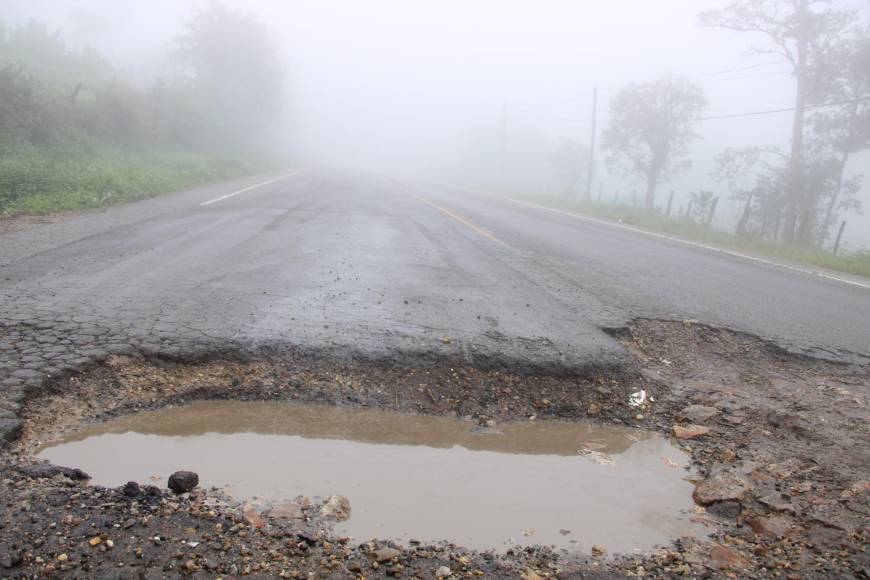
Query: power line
point(737, 69)
point(771, 111)
point(758, 76)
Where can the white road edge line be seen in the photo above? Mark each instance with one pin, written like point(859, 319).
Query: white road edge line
point(680, 240)
point(250, 187)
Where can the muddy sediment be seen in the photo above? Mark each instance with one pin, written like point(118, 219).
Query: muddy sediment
point(779, 446)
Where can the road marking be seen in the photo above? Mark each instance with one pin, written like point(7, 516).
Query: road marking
point(464, 221)
point(677, 240)
point(250, 187)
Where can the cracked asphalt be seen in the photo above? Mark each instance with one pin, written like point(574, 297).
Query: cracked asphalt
point(349, 262)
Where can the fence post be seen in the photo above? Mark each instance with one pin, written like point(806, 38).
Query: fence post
point(839, 236)
point(712, 211)
point(670, 201)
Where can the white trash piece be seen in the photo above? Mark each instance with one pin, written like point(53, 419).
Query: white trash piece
point(637, 399)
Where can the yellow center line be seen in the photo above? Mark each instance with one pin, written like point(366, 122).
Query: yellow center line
point(464, 221)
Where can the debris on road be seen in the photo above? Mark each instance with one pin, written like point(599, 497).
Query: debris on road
point(183, 481)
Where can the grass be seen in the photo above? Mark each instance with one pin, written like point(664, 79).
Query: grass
point(851, 262)
point(37, 182)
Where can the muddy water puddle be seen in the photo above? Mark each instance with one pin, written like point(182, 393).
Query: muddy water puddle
point(407, 476)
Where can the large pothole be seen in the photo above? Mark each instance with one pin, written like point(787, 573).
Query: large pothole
point(777, 444)
point(411, 477)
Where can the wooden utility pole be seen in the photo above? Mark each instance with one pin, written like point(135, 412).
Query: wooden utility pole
point(503, 144)
point(670, 201)
point(590, 171)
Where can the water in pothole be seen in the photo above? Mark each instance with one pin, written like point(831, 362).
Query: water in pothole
point(407, 476)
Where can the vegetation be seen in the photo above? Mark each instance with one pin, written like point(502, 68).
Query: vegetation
point(651, 126)
point(828, 53)
point(693, 227)
point(74, 133)
point(792, 201)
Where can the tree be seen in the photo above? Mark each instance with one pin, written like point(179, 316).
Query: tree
point(737, 168)
point(836, 133)
point(800, 31)
point(650, 128)
point(233, 66)
point(571, 162)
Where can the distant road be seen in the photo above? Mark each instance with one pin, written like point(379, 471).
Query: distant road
point(351, 261)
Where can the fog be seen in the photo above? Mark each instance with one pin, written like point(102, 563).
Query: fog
point(437, 90)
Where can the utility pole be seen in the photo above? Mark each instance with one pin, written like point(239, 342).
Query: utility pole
point(590, 172)
point(503, 151)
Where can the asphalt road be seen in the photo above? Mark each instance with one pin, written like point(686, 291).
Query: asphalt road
point(329, 259)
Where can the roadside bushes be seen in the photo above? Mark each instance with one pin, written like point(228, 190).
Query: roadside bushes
point(74, 134)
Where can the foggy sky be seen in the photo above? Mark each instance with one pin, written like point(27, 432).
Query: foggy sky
point(394, 84)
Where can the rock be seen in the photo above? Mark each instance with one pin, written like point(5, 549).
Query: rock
point(594, 409)
point(721, 484)
point(336, 506)
point(153, 491)
point(183, 481)
point(10, 429)
point(10, 558)
point(725, 558)
point(776, 526)
point(131, 489)
point(387, 554)
point(698, 413)
point(443, 572)
point(776, 501)
point(726, 509)
point(46, 470)
point(354, 566)
point(254, 518)
point(690, 431)
point(598, 550)
point(289, 510)
point(95, 541)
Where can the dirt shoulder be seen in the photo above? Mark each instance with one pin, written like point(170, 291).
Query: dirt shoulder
point(779, 445)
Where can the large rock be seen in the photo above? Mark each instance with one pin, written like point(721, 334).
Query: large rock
point(722, 484)
point(183, 481)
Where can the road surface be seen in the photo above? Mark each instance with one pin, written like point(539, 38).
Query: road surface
point(337, 260)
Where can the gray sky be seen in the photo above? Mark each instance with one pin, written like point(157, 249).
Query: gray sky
point(394, 83)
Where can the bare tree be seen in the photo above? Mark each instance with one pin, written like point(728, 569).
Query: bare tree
point(650, 128)
point(800, 31)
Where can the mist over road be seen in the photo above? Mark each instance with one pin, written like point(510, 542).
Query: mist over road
point(333, 259)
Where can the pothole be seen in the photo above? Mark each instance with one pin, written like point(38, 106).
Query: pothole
point(409, 476)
